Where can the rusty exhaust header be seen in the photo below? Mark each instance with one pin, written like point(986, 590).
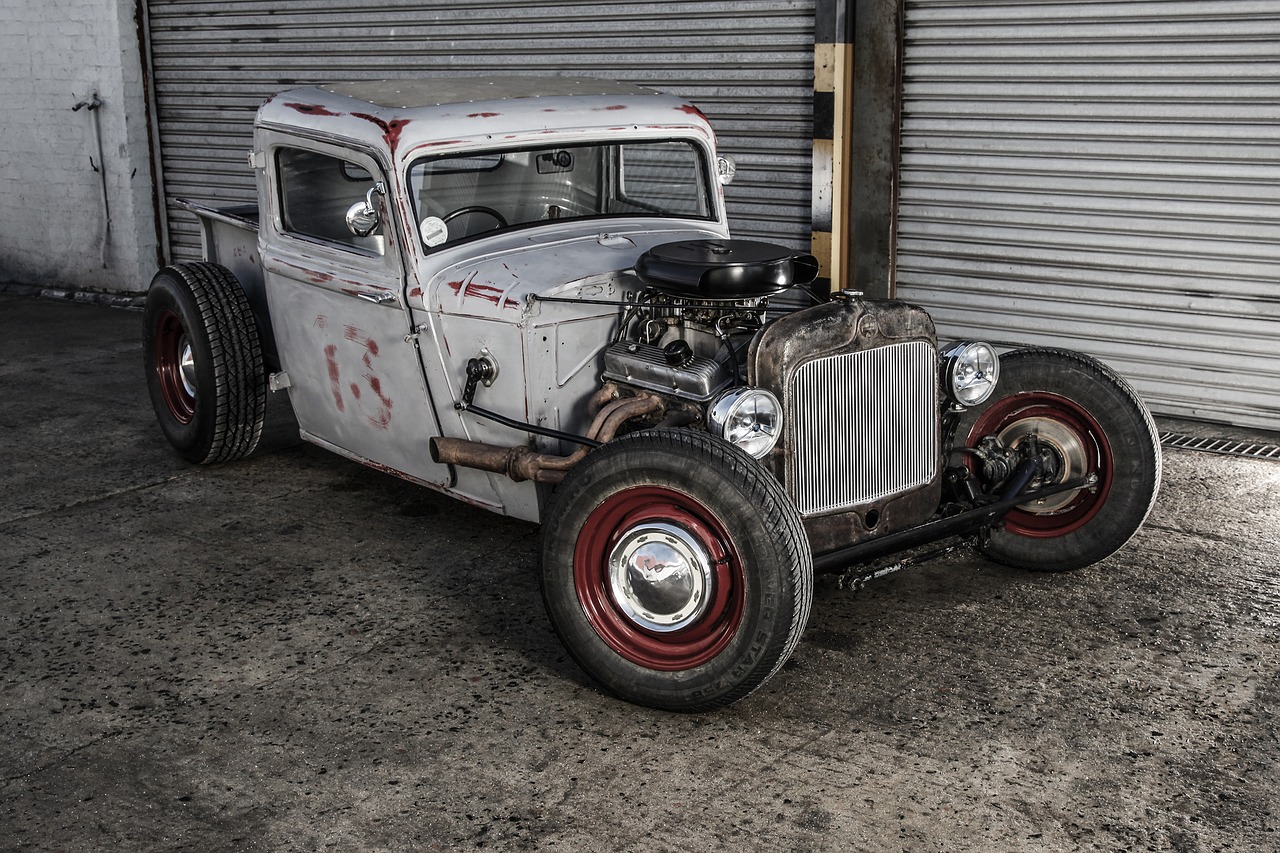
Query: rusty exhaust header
point(520, 463)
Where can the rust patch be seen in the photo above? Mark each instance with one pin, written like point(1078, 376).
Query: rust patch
point(690, 109)
point(416, 293)
point(610, 109)
point(312, 110)
point(391, 130)
point(313, 276)
point(483, 115)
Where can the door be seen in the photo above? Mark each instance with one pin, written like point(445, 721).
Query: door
point(337, 307)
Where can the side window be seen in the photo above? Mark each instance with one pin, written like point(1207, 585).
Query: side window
point(662, 177)
point(315, 192)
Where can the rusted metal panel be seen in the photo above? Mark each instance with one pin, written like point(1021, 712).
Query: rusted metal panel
point(835, 329)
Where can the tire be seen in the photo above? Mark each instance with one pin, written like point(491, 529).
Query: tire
point(720, 631)
point(1094, 423)
point(204, 364)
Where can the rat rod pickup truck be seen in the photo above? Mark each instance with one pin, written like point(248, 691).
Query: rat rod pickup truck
point(523, 293)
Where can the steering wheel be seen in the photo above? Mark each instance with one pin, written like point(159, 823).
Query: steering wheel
point(477, 208)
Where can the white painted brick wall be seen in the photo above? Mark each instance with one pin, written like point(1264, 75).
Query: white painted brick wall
point(54, 54)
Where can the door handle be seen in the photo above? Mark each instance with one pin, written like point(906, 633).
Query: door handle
point(380, 297)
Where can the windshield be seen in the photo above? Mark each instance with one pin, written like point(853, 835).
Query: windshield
point(467, 195)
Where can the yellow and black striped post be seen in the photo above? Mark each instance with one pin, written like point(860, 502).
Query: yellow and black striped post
point(832, 123)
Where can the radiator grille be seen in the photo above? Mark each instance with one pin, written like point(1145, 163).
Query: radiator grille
point(865, 426)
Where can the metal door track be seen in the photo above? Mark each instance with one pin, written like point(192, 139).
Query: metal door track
point(1226, 446)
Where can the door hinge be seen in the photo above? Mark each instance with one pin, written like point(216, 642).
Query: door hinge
point(279, 381)
point(257, 159)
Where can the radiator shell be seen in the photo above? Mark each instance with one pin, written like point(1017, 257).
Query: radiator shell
point(860, 452)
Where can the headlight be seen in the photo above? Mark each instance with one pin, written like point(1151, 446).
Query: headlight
point(971, 370)
point(750, 418)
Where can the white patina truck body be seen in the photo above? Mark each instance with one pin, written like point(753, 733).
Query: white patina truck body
point(524, 293)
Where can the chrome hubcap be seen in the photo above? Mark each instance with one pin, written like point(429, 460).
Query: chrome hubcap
point(660, 576)
point(187, 366)
point(1065, 443)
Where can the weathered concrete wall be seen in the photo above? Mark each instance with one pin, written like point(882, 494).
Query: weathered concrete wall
point(53, 55)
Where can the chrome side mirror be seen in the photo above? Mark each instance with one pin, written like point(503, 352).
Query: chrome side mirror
point(726, 169)
point(362, 217)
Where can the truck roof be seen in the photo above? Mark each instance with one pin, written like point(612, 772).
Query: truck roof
point(443, 112)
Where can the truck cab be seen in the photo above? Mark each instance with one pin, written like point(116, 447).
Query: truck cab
point(475, 203)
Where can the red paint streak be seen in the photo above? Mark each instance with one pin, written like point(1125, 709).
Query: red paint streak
point(690, 109)
point(335, 377)
point(483, 115)
point(613, 108)
point(416, 293)
point(549, 110)
point(487, 292)
point(314, 276)
point(312, 110)
point(391, 130)
point(381, 416)
point(322, 322)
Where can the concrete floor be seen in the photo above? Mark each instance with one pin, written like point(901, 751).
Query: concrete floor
point(296, 653)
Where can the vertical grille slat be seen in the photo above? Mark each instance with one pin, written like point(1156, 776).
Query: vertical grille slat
point(865, 426)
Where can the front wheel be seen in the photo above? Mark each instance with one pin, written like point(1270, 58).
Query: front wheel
point(675, 570)
point(1088, 421)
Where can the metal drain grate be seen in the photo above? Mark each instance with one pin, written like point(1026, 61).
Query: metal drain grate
point(1226, 446)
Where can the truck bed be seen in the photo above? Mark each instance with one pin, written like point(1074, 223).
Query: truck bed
point(230, 239)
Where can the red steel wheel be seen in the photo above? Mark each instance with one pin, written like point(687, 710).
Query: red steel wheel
point(1078, 442)
point(175, 366)
point(675, 570)
point(659, 578)
point(1092, 422)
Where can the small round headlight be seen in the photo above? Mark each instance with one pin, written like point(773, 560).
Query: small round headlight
point(750, 418)
point(972, 371)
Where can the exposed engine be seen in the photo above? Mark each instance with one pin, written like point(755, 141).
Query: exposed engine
point(686, 335)
point(687, 349)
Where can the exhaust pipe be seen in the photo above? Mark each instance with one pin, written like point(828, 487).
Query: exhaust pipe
point(520, 463)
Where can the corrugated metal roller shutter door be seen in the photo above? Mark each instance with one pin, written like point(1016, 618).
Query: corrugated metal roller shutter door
point(748, 65)
point(1104, 176)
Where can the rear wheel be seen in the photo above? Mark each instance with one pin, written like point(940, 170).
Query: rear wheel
point(204, 364)
point(1089, 422)
point(675, 570)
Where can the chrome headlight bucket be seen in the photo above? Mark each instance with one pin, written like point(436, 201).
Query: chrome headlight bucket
point(971, 370)
point(749, 418)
